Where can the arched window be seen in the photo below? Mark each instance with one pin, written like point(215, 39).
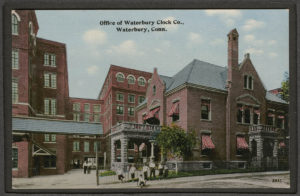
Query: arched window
point(14, 24)
point(120, 77)
point(154, 90)
point(141, 81)
point(131, 79)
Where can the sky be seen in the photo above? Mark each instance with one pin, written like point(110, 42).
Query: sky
point(201, 34)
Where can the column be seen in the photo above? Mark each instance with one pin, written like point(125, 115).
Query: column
point(152, 150)
point(275, 148)
point(124, 158)
point(113, 151)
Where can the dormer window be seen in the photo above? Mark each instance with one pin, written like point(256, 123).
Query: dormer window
point(248, 82)
point(14, 24)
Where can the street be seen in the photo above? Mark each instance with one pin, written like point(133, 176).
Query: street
point(75, 179)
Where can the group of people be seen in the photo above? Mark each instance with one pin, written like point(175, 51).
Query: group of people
point(87, 166)
point(143, 176)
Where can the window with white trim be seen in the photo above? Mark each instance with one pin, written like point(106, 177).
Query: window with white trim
point(131, 111)
point(50, 59)
point(96, 117)
point(131, 79)
point(15, 58)
point(76, 117)
point(96, 108)
point(15, 91)
point(141, 81)
point(86, 146)
point(205, 109)
point(141, 99)
point(131, 98)
point(86, 107)
point(14, 24)
point(120, 109)
point(50, 106)
point(76, 146)
point(86, 117)
point(76, 107)
point(120, 77)
point(248, 82)
point(120, 97)
point(50, 80)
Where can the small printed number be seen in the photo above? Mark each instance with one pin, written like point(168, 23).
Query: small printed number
point(276, 180)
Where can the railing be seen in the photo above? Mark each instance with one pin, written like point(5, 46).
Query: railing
point(263, 128)
point(135, 127)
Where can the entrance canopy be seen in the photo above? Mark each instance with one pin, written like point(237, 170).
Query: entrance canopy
point(38, 125)
point(152, 113)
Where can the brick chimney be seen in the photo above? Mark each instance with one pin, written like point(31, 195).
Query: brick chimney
point(233, 52)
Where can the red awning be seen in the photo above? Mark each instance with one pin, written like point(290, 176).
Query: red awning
point(281, 145)
point(207, 142)
point(142, 146)
point(152, 113)
point(241, 143)
point(281, 117)
point(257, 112)
point(174, 109)
point(136, 148)
point(270, 115)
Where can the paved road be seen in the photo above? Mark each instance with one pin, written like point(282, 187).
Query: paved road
point(75, 179)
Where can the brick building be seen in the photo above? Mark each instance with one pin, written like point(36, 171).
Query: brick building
point(40, 93)
point(122, 91)
point(234, 116)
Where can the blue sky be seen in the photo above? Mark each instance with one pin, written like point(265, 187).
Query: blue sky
point(92, 48)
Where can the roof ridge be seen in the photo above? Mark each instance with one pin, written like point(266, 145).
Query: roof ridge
point(193, 65)
point(219, 66)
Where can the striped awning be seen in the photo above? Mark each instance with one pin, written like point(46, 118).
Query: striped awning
point(142, 147)
point(207, 142)
point(152, 113)
point(241, 143)
point(281, 145)
point(174, 109)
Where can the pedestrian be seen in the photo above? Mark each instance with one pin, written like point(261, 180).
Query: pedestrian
point(132, 171)
point(145, 171)
point(160, 169)
point(141, 181)
point(85, 165)
point(152, 169)
point(166, 171)
point(120, 174)
point(89, 167)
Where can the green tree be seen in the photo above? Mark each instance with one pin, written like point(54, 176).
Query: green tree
point(285, 84)
point(173, 139)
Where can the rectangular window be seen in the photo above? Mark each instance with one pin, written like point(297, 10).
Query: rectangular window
point(247, 115)
point(53, 80)
point(96, 108)
point(14, 158)
point(280, 123)
point(245, 81)
point(131, 98)
point(270, 118)
point(49, 161)
point(76, 107)
point(86, 146)
point(141, 99)
point(15, 59)
point(46, 80)
point(248, 82)
point(86, 117)
point(239, 114)
point(76, 146)
point(47, 137)
point(131, 111)
point(96, 117)
point(76, 117)
point(15, 93)
point(50, 106)
point(50, 80)
point(120, 109)
point(120, 97)
point(46, 59)
point(53, 138)
point(95, 146)
point(175, 117)
point(86, 107)
point(52, 60)
point(205, 109)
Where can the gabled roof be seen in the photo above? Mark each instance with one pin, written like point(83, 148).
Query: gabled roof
point(274, 98)
point(167, 80)
point(36, 125)
point(201, 73)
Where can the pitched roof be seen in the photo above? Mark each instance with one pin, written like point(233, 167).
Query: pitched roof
point(167, 80)
point(274, 98)
point(36, 125)
point(200, 73)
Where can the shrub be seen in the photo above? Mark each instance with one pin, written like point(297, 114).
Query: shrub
point(107, 173)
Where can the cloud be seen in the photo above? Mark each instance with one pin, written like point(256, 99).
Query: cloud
point(252, 24)
point(95, 37)
point(224, 13)
point(195, 37)
point(250, 39)
point(254, 51)
point(127, 47)
point(217, 42)
point(91, 70)
point(273, 54)
point(170, 27)
point(272, 42)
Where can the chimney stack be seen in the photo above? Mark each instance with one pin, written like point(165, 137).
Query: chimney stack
point(233, 52)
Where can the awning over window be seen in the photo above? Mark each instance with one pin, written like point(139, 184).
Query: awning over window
point(207, 142)
point(152, 113)
point(241, 143)
point(271, 115)
point(281, 145)
point(281, 117)
point(174, 109)
point(257, 112)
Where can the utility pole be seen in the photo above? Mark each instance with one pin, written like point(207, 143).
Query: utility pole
point(97, 173)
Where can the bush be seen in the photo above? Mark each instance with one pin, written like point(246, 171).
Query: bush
point(107, 173)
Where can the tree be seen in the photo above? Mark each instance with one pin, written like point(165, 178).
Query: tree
point(285, 84)
point(173, 139)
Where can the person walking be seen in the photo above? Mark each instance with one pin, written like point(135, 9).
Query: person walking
point(132, 171)
point(85, 165)
point(120, 174)
point(152, 169)
point(89, 167)
point(141, 181)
